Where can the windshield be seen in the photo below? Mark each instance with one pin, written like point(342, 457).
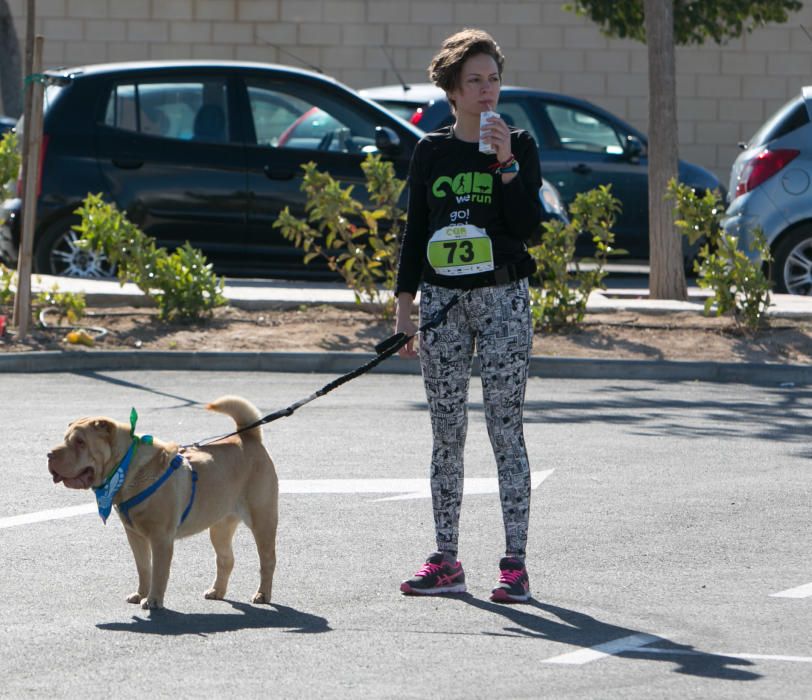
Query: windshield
point(405, 110)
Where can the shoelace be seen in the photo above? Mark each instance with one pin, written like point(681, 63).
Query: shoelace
point(510, 576)
point(428, 569)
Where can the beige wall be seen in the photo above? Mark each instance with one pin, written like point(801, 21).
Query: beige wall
point(724, 92)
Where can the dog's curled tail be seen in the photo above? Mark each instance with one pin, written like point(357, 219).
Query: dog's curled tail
point(242, 411)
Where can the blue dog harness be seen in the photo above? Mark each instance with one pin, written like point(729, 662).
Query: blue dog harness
point(177, 461)
point(108, 490)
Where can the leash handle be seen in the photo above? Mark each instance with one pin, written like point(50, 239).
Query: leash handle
point(393, 341)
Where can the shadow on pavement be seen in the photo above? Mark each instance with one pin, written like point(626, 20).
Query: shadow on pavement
point(775, 414)
point(115, 381)
point(581, 630)
point(171, 623)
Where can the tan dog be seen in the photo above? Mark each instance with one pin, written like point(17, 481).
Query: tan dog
point(235, 481)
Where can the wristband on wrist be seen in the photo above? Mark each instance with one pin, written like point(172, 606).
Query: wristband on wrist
point(511, 165)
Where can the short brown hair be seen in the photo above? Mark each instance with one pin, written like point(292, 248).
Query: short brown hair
point(446, 67)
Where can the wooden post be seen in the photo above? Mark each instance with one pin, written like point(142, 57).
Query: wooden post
point(33, 137)
point(667, 274)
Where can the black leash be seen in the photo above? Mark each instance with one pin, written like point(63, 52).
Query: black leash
point(384, 349)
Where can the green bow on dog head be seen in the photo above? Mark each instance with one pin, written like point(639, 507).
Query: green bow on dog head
point(147, 439)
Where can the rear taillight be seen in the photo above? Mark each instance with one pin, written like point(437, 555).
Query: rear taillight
point(417, 116)
point(42, 150)
point(762, 167)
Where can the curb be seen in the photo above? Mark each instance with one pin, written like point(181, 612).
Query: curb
point(343, 362)
point(599, 302)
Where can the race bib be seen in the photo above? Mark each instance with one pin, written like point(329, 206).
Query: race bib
point(462, 249)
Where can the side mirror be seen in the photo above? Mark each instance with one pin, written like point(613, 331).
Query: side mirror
point(552, 203)
point(387, 141)
point(633, 148)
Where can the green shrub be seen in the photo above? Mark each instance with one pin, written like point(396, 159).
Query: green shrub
point(564, 287)
point(181, 283)
point(360, 244)
point(70, 305)
point(740, 286)
point(9, 162)
point(7, 280)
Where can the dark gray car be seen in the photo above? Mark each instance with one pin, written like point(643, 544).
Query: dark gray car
point(202, 151)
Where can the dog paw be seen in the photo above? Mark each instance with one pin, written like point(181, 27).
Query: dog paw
point(150, 604)
point(261, 598)
point(135, 598)
point(213, 594)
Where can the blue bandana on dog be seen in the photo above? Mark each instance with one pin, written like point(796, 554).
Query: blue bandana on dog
point(111, 486)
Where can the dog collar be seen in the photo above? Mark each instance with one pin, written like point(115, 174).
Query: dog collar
point(106, 493)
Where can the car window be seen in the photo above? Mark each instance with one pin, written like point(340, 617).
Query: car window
point(295, 116)
point(516, 114)
point(791, 116)
point(579, 130)
point(195, 111)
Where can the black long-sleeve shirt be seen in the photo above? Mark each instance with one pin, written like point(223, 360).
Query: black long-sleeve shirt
point(451, 183)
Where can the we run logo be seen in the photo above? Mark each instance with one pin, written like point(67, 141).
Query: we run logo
point(467, 187)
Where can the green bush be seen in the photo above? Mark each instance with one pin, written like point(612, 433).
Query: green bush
point(181, 283)
point(7, 280)
point(360, 244)
point(70, 305)
point(9, 162)
point(740, 286)
point(564, 287)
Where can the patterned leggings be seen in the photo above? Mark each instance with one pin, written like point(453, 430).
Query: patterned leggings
point(497, 320)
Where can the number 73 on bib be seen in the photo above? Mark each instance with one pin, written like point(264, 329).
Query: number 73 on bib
point(463, 249)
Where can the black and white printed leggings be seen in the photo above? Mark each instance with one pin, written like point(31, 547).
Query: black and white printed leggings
point(497, 321)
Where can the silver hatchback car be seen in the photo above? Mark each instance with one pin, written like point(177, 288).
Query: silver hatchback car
point(771, 189)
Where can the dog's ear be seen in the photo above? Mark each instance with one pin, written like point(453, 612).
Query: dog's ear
point(105, 426)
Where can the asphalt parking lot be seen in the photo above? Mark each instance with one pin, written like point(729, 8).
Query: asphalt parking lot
point(668, 554)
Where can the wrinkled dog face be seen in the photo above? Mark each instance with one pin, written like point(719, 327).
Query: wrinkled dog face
point(81, 460)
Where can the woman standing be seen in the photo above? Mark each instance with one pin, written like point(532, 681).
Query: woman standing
point(469, 216)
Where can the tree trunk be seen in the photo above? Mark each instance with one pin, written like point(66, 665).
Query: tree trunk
point(667, 275)
point(11, 77)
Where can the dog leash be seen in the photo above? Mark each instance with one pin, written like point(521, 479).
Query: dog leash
point(385, 349)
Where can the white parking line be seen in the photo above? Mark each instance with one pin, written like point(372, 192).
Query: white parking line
point(770, 657)
point(43, 515)
point(754, 657)
point(601, 651)
point(799, 592)
point(638, 644)
point(405, 488)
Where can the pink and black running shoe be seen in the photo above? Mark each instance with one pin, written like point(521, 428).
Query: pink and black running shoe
point(514, 583)
point(435, 577)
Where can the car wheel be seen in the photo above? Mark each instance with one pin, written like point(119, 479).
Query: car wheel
point(58, 254)
point(792, 268)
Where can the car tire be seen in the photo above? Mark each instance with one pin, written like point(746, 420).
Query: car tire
point(792, 265)
point(58, 254)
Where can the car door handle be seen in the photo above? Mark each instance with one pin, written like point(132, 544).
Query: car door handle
point(582, 169)
point(273, 173)
point(126, 164)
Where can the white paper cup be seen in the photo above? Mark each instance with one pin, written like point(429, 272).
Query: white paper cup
point(485, 147)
